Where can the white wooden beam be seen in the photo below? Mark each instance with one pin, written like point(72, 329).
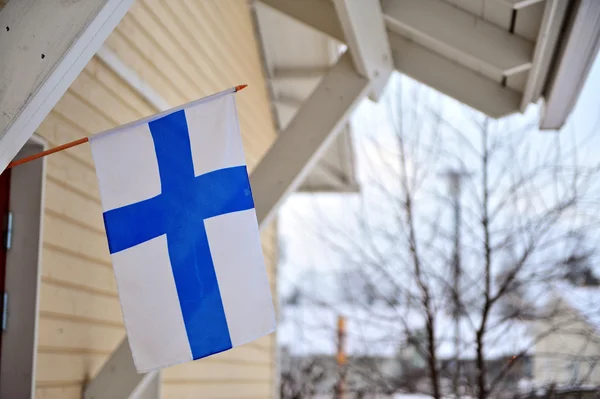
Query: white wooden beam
point(44, 45)
point(280, 172)
point(552, 21)
point(573, 65)
point(298, 148)
point(319, 14)
point(366, 37)
point(456, 81)
point(439, 25)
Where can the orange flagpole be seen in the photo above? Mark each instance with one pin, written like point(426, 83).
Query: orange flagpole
point(47, 152)
point(70, 144)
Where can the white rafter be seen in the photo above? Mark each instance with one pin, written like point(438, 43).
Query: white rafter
point(366, 36)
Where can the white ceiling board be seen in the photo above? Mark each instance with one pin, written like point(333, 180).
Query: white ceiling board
point(291, 44)
point(317, 14)
point(475, 7)
point(528, 21)
point(498, 13)
point(494, 11)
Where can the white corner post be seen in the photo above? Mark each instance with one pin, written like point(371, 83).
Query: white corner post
point(281, 171)
point(44, 45)
point(366, 36)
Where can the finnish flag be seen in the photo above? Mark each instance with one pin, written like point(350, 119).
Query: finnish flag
point(182, 233)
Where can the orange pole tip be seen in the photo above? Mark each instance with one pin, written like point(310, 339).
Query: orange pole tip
point(240, 87)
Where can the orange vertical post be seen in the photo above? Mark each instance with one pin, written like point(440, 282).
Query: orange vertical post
point(340, 387)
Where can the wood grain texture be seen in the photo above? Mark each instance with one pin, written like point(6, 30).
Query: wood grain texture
point(184, 50)
point(42, 58)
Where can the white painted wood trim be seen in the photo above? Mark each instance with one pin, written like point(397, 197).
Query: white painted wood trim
point(23, 269)
point(321, 117)
point(29, 85)
point(366, 36)
point(438, 24)
point(546, 43)
point(573, 65)
point(129, 76)
point(457, 81)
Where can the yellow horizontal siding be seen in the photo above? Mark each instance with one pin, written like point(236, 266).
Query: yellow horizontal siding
point(44, 391)
point(184, 50)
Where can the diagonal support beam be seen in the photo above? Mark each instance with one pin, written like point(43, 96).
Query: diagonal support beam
point(365, 33)
point(280, 172)
point(44, 45)
point(321, 117)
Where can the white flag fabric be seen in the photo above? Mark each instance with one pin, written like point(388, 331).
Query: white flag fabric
point(183, 234)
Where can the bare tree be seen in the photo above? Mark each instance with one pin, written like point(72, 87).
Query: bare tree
point(525, 195)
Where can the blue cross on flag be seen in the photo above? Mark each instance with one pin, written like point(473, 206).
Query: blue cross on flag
point(183, 234)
